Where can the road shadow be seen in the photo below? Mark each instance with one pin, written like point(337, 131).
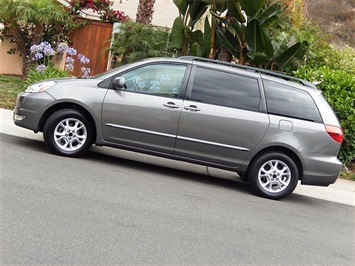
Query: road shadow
point(154, 166)
point(34, 145)
point(169, 171)
point(163, 167)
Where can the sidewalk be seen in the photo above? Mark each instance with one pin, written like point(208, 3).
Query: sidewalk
point(343, 191)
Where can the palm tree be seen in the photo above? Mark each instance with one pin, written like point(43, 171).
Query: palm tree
point(145, 11)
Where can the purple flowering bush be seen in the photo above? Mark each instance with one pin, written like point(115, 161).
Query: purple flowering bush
point(85, 70)
point(42, 72)
point(42, 55)
point(69, 61)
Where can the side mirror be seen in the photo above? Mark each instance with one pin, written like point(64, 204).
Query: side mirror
point(119, 83)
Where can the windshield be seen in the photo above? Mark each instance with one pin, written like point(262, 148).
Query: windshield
point(109, 73)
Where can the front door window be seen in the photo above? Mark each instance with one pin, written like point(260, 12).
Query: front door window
point(160, 80)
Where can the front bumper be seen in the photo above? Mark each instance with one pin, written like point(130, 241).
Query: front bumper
point(30, 108)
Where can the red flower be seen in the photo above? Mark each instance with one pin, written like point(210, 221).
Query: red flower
point(101, 6)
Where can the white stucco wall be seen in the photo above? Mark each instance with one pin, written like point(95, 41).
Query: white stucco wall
point(164, 11)
point(9, 63)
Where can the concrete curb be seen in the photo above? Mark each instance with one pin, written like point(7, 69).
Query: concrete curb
point(342, 191)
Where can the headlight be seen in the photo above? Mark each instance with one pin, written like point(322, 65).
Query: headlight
point(39, 87)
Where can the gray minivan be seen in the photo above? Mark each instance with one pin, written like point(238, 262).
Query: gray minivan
point(271, 129)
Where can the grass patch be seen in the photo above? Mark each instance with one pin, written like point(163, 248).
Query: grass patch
point(349, 174)
point(10, 86)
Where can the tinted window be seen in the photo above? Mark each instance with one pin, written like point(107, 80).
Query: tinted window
point(226, 89)
point(160, 79)
point(289, 101)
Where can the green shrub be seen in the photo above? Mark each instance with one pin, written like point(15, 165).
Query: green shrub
point(49, 73)
point(322, 48)
point(135, 41)
point(334, 58)
point(338, 88)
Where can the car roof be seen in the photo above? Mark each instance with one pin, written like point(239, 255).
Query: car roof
point(241, 69)
point(275, 76)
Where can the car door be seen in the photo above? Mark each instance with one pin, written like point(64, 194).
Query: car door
point(220, 121)
point(145, 113)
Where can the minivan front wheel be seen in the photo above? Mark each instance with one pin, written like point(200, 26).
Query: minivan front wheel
point(67, 132)
point(273, 175)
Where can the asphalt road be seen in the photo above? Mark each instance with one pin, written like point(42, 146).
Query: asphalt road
point(107, 210)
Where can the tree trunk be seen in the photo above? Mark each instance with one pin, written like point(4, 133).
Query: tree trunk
point(213, 51)
point(225, 55)
point(145, 11)
point(26, 65)
point(22, 49)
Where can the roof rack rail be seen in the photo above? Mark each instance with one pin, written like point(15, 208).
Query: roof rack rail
point(248, 68)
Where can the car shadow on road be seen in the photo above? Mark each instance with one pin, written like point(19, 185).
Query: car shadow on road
point(171, 169)
point(164, 167)
point(34, 145)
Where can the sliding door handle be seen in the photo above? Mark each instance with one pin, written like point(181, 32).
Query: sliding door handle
point(192, 108)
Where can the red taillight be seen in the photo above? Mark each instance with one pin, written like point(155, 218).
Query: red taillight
point(335, 132)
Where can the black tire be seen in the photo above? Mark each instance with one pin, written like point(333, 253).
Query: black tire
point(273, 175)
point(68, 132)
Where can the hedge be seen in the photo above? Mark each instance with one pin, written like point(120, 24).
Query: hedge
point(338, 87)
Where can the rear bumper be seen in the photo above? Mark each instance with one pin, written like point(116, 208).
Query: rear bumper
point(320, 170)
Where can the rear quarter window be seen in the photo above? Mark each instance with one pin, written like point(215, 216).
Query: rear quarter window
point(290, 102)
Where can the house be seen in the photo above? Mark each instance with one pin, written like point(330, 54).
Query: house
point(9, 63)
point(164, 14)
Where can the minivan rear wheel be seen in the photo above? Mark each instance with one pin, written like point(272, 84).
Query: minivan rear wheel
point(273, 175)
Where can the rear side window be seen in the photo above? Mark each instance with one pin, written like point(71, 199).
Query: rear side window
point(225, 89)
point(289, 101)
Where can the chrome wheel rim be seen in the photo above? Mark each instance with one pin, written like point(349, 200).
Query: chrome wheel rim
point(70, 134)
point(274, 176)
